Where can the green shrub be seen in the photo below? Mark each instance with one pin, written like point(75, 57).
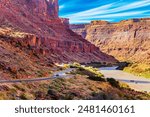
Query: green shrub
point(96, 78)
point(75, 65)
point(26, 96)
point(113, 82)
point(92, 73)
point(68, 96)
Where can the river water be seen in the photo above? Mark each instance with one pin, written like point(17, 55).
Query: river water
point(135, 82)
point(109, 68)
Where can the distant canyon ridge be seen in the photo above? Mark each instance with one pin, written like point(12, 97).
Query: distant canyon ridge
point(128, 40)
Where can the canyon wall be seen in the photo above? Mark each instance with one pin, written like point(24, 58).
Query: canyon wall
point(79, 29)
point(127, 40)
point(52, 34)
point(33, 38)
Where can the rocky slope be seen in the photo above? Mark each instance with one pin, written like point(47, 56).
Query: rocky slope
point(79, 87)
point(40, 18)
point(127, 40)
point(32, 37)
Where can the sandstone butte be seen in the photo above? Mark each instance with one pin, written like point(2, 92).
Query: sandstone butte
point(128, 40)
point(33, 37)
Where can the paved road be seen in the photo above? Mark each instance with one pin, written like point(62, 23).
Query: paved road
point(135, 82)
point(59, 74)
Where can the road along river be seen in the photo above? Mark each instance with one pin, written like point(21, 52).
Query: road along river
point(135, 82)
point(59, 74)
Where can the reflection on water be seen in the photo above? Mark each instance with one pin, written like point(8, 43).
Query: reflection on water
point(109, 68)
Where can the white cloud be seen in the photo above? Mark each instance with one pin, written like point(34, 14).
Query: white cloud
point(61, 7)
point(112, 10)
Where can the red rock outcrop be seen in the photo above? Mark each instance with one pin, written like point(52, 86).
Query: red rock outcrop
point(51, 34)
point(127, 40)
point(33, 37)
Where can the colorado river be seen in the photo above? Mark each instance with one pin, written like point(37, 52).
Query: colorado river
point(135, 82)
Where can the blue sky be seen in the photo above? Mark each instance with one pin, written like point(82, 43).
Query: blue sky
point(83, 11)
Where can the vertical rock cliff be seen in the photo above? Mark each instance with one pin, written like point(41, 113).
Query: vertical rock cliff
point(44, 33)
point(44, 7)
point(125, 40)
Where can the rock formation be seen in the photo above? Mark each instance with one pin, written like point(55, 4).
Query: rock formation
point(127, 40)
point(79, 29)
point(40, 17)
point(32, 30)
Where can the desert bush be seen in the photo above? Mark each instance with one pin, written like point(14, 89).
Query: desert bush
point(52, 91)
point(19, 87)
point(69, 96)
point(26, 96)
point(65, 66)
point(113, 82)
point(96, 78)
point(3, 96)
point(40, 95)
point(42, 73)
point(92, 73)
point(75, 65)
point(124, 85)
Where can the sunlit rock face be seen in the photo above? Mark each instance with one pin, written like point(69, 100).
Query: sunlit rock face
point(44, 7)
point(41, 7)
point(53, 7)
point(46, 32)
point(127, 40)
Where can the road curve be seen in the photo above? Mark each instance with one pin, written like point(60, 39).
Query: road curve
point(59, 74)
point(135, 82)
point(26, 80)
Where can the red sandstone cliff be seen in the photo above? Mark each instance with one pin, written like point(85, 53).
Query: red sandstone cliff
point(40, 17)
point(32, 37)
point(126, 40)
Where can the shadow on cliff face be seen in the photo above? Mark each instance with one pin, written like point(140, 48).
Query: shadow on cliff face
point(122, 65)
point(32, 40)
point(127, 40)
point(28, 56)
point(48, 34)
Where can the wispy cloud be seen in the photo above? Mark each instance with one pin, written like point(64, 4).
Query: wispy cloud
point(61, 7)
point(112, 11)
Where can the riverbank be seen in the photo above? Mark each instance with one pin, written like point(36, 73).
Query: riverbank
point(135, 82)
point(78, 87)
point(138, 69)
point(82, 87)
point(76, 82)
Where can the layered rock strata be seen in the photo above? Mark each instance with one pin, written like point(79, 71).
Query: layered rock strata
point(127, 40)
point(40, 18)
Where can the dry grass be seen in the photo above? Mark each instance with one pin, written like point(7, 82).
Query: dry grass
point(78, 87)
point(139, 69)
point(92, 73)
point(18, 61)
